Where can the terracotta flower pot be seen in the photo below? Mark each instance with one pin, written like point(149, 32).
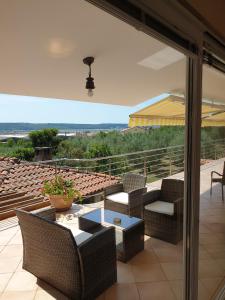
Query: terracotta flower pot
point(60, 202)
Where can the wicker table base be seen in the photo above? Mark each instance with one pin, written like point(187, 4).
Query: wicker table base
point(129, 234)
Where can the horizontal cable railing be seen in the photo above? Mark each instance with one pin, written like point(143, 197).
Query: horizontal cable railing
point(154, 163)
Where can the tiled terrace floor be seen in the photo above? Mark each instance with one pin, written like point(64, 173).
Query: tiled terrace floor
point(154, 274)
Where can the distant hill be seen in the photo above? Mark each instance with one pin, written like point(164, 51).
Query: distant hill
point(5, 127)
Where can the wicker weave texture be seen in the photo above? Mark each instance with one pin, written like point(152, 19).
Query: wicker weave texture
point(134, 185)
point(162, 226)
point(51, 254)
point(129, 241)
point(133, 182)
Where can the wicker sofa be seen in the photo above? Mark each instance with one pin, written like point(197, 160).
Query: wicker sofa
point(163, 211)
point(80, 270)
point(126, 197)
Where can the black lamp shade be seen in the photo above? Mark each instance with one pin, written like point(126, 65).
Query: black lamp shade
point(90, 83)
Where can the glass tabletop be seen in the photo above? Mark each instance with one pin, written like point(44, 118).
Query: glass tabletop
point(102, 216)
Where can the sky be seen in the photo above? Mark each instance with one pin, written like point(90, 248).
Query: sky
point(41, 110)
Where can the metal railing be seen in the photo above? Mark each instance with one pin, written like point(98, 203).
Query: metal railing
point(154, 163)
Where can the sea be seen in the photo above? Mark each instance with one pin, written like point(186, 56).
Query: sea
point(4, 135)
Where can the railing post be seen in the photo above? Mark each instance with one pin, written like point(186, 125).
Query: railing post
point(204, 156)
point(110, 169)
point(145, 167)
point(170, 164)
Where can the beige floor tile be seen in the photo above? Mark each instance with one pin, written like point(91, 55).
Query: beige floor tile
point(21, 281)
point(17, 239)
point(211, 284)
point(204, 254)
point(148, 272)
point(4, 279)
point(10, 231)
point(4, 239)
point(124, 273)
point(221, 262)
point(123, 291)
point(213, 219)
point(169, 254)
point(203, 228)
point(155, 291)
point(203, 293)
point(49, 294)
point(209, 238)
point(214, 248)
point(156, 243)
point(19, 267)
point(210, 268)
point(9, 265)
point(11, 251)
point(43, 295)
point(144, 257)
point(213, 212)
point(7, 235)
point(217, 227)
point(18, 295)
point(177, 287)
point(217, 251)
point(173, 271)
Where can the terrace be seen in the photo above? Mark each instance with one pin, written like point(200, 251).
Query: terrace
point(154, 273)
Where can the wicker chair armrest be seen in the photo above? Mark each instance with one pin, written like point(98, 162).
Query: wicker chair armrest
point(135, 197)
point(112, 189)
point(179, 206)
point(214, 172)
point(98, 257)
point(151, 196)
point(46, 213)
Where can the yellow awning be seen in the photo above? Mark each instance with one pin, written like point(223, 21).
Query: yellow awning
point(171, 112)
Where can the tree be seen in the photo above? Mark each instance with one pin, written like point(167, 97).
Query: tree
point(98, 150)
point(44, 138)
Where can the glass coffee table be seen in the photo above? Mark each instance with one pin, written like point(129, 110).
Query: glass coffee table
point(129, 230)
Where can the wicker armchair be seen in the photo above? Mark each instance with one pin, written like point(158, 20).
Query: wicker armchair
point(52, 254)
point(220, 179)
point(163, 211)
point(126, 197)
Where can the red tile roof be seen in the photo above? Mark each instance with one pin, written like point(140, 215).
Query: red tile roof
point(16, 175)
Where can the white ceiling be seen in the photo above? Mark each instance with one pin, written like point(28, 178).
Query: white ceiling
point(44, 42)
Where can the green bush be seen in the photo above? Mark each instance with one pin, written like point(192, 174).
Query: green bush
point(24, 153)
point(10, 142)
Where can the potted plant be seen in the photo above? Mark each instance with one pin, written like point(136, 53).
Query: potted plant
point(61, 193)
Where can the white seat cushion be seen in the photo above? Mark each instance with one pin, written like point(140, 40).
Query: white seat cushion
point(161, 207)
point(79, 235)
point(119, 197)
